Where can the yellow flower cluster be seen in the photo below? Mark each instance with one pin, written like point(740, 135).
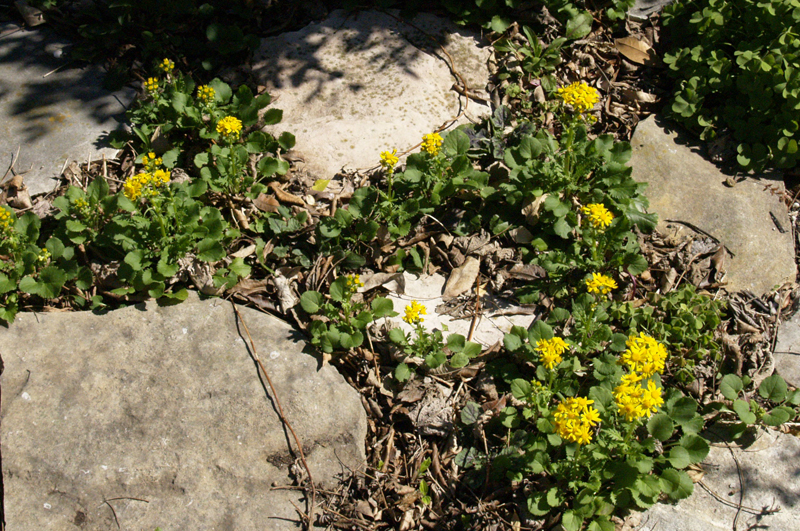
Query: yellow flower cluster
point(150, 161)
point(205, 94)
point(44, 256)
point(414, 313)
point(432, 143)
point(644, 355)
point(634, 401)
point(574, 420)
point(550, 351)
point(81, 203)
point(5, 219)
point(581, 96)
point(354, 282)
point(166, 66)
point(145, 184)
point(389, 160)
point(151, 84)
point(600, 284)
point(230, 126)
point(598, 215)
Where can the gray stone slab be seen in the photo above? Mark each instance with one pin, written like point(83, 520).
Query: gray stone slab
point(787, 351)
point(644, 9)
point(770, 469)
point(65, 115)
point(164, 404)
point(686, 187)
point(360, 83)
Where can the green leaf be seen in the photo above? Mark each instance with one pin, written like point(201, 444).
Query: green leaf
point(742, 409)
point(134, 259)
point(456, 342)
point(579, 26)
point(210, 250)
point(383, 307)
point(660, 426)
point(676, 483)
point(28, 224)
point(512, 341)
point(456, 142)
point(778, 416)
point(311, 301)
point(679, 457)
point(537, 504)
point(201, 159)
point(222, 91)
point(555, 497)
point(353, 340)
point(539, 330)
point(170, 158)
point(402, 372)
point(273, 116)
point(730, 386)
point(773, 388)
point(470, 413)
point(286, 141)
point(459, 360)
point(339, 289)
point(472, 349)
point(521, 389)
point(696, 446)
point(49, 284)
point(397, 336)
point(571, 521)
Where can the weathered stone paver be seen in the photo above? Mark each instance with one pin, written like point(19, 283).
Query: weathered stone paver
point(360, 83)
point(787, 351)
point(686, 187)
point(51, 115)
point(164, 404)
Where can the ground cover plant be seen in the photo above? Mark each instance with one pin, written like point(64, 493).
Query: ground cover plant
point(589, 413)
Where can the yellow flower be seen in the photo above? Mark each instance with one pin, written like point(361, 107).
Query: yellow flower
point(574, 418)
point(354, 282)
point(550, 351)
point(635, 402)
point(432, 143)
point(581, 96)
point(414, 313)
point(205, 94)
point(389, 160)
point(644, 355)
point(44, 256)
point(151, 84)
point(145, 184)
point(229, 126)
point(600, 284)
point(166, 66)
point(81, 203)
point(598, 214)
point(5, 219)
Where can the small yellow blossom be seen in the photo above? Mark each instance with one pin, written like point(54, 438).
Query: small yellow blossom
point(81, 203)
point(598, 215)
point(550, 351)
point(644, 355)
point(205, 94)
point(432, 143)
point(145, 184)
point(581, 96)
point(230, 127)
point(414, 313)
point(354, 282)
point(574, 419)
point(600, 284)
point(44, 256)
point(5, 220)
point(151, 84)
point(166, 66)
point(389, 160)
point(635, 402)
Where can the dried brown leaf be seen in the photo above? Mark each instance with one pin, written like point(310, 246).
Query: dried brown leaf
point(635, 50)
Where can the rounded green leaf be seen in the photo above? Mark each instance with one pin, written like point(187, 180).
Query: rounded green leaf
point(773, 388)
point(520, 389)
point(777, 416)
point(679, 457)
point(696, 447)
point(338, 289)
point(383, 307)
point(459, 360)
point(402, 372)
point(742, 409)
point(676, 483)
point(730, 386)
point(660, 426)
point(311, 301)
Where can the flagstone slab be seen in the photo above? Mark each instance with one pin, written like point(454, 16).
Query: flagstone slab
point(52, 110)
point(787, 351)
point(160, 411)
point(685, 190)
point(770, 472)
point(363, 82)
